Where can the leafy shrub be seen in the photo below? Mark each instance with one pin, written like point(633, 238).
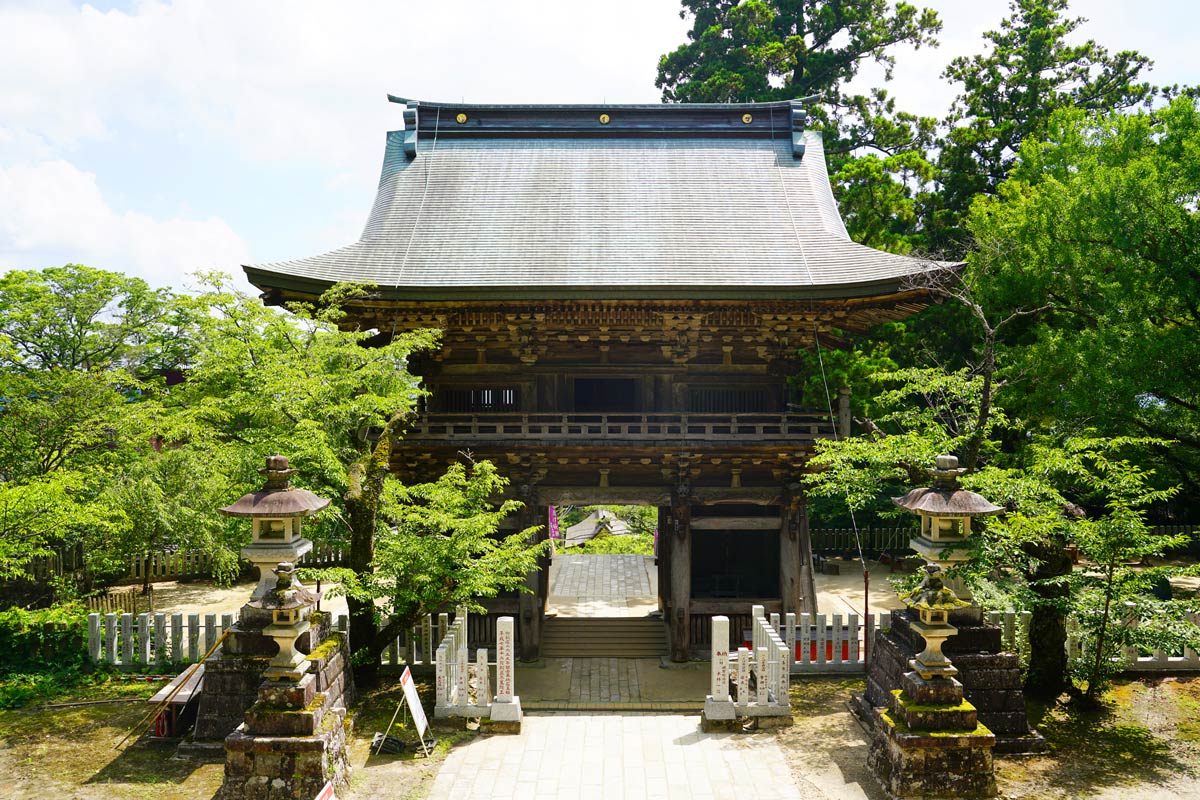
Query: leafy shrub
point(42, 641)
point(641, 544)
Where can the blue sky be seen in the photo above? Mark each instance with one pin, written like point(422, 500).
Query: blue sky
point(157, 138)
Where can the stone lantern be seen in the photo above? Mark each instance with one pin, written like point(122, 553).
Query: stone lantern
point(933, 602)
point(276, 511)
point(946, 510)
point(290, 605)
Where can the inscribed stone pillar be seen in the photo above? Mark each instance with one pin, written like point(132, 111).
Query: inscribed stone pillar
point(679, 624)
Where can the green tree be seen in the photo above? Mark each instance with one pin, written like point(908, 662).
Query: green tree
point(1100, 221)
point(264, 381)
point(782, 49)
point(1111, 542)
point(79, 318)
point(169, 499)
point(1008, 94)
point(440, 547)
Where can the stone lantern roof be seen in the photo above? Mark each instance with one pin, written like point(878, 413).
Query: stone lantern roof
point(946, 498)
point(277, 498)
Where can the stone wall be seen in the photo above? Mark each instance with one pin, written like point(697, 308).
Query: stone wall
point(991, 678)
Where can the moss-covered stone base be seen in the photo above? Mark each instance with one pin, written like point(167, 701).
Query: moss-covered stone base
point(924, 750)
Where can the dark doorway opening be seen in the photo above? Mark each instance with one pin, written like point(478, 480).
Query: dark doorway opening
point(599, 395)
point(735, 563)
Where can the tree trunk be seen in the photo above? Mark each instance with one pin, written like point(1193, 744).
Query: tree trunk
point(1046, 677)
point(362, 511)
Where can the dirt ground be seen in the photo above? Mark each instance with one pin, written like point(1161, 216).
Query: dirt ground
point(1144, 745)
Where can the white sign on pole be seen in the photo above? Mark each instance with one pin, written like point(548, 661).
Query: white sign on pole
point(414, 702)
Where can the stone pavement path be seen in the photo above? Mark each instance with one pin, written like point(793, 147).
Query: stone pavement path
point(604, 680)
point(602, 586)
point(647, 757)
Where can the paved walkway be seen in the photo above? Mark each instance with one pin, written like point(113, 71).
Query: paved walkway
point(602, 586)
point(654, 757)
point(605, 680)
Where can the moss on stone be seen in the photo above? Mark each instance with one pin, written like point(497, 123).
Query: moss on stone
point(927, 707)
point(902, 727)
point(326, 648)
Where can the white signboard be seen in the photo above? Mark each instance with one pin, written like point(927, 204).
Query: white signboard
point(414, 703)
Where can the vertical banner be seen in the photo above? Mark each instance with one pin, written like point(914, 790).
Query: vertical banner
point(553, 523)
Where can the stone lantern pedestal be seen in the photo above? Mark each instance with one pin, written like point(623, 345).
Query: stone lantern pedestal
point(293, 738)
point(231, 679)
point(928, 741)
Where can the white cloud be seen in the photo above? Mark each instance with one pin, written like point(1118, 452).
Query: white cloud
point(307, 79)
point(51, 212)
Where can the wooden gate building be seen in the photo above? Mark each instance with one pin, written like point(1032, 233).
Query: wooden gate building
point(622, 290)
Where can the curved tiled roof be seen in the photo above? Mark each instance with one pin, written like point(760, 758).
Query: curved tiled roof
point(536, 215)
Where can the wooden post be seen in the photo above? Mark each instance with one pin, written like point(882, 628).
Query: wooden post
point(664, 559)
point(808, 584)
point(530, 604)
point(844, 412)
point(679, 624)
point(789, 556)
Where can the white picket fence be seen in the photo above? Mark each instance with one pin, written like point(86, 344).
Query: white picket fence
point(463, 688)
point(133, 641)
point(822, 644)
point(1184, 660)
point(139, 640)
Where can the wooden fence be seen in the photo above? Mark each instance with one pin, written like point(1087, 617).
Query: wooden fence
point(129, 600)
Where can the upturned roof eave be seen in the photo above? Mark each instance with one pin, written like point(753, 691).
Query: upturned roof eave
point(267, 280)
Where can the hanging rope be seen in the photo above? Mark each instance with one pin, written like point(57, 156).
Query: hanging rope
point(437, 122)
point(853, 522)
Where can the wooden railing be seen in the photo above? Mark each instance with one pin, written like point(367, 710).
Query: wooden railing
point(628, 427)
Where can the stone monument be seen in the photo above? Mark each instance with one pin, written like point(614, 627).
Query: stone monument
point(231, 680)
point(991, 678)
point(928, 742)
point(293, 739)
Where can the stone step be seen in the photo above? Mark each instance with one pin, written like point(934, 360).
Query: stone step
point(612, 637)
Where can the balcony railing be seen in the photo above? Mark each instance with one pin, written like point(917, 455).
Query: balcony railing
point(696, 428)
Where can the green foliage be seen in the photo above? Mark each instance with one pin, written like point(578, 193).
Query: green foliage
point(630, 544)
point(44, 640)
point(441, 546)
point(1101, 221)
point(772, 50)
point(920, 414)
point(79, 318)
point(170, 499)
point(1032, 68)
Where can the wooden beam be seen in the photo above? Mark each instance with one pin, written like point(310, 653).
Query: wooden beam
point(735, 523)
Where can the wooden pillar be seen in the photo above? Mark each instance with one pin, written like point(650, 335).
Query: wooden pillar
point(808, 584)
point(664, 559)
point(844, 412)
point(680, 620)
point(531, 606)
point(789, 556)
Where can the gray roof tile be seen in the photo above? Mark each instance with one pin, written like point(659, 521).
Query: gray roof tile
point(594, 213)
